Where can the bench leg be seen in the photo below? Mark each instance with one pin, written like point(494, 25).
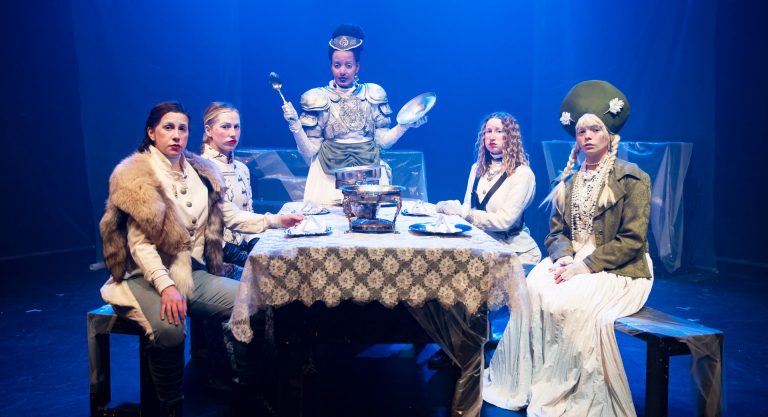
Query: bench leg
point(657, 381)
point(101, 386)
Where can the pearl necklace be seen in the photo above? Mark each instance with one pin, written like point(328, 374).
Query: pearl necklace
point(587, 185)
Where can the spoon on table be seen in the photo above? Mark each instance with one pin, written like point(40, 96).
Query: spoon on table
point(274, 79)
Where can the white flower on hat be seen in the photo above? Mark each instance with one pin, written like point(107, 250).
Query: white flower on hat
point(565, 118)
point(615, 106)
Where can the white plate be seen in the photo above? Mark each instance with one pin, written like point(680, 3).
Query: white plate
point(416, 108)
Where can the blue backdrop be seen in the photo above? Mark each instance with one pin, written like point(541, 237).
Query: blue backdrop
point(120, 58)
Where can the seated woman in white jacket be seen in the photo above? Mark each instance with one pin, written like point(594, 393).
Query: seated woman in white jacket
point(501, 186)
point(221, 122)
point(162, 234)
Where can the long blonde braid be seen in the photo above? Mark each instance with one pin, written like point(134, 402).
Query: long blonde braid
point(606, 196)
point(556, 197)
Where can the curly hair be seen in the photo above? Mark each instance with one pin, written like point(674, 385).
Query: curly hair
point(513, 154)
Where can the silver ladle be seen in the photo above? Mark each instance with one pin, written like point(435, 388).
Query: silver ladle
point(274, 79)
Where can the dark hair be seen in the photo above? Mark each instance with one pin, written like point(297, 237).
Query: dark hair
point(154, 117)
point(348, 30)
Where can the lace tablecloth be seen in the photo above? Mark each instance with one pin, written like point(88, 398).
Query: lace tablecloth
point(471, 268)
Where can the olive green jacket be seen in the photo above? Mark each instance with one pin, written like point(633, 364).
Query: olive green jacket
point(620, 229)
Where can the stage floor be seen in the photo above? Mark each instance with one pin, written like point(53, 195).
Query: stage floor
point(44, 361)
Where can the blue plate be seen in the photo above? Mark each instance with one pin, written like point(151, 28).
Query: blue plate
point(405, 212)
point(290, 232)
point(317, 213)
point(422, 228)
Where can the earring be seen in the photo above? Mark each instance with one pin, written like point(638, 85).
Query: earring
point(357, 78)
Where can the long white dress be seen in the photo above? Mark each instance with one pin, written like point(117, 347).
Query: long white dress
point(561, 358)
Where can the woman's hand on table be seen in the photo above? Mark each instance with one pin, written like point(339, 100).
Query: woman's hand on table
point(173, 306)
point(289, 220)
point(449, 207)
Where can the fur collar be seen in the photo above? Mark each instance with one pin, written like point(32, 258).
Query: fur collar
point(135, 191)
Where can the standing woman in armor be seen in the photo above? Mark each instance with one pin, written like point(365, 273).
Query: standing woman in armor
point(598, 270)
point(222, 134)
point(342, 124)
point(501, 186)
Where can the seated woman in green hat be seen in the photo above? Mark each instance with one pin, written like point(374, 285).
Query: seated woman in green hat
point(567, 362)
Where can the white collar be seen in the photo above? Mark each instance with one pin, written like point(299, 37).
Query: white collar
point(162, 162)
point(210, 153)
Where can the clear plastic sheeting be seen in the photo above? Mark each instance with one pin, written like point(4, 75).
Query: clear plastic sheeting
point(280, 174)
point(462, 336)
point(704, 343)
point(667, 164)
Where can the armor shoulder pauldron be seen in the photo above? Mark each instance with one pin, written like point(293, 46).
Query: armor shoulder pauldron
point(314, 100)
point(375, 93)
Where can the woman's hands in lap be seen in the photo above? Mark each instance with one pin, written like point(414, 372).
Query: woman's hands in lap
point(566, 268)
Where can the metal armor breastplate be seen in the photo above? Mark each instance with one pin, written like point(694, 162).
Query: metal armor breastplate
point(349, 115)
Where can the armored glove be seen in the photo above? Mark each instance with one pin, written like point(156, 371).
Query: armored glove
point(291, 116)
point(417, 123)
point(307, 147)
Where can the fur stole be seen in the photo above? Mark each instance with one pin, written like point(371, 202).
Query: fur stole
point(135, 191)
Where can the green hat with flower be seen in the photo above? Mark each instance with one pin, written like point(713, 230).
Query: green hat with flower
point(598, 97)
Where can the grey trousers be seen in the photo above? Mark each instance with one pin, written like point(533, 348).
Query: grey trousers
point(212, 299)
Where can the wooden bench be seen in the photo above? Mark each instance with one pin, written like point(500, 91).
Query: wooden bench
point(666, 336)
point(663, 334)
point(102, 322)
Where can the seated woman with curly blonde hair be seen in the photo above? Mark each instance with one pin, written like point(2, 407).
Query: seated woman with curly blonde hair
point(501, 186)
